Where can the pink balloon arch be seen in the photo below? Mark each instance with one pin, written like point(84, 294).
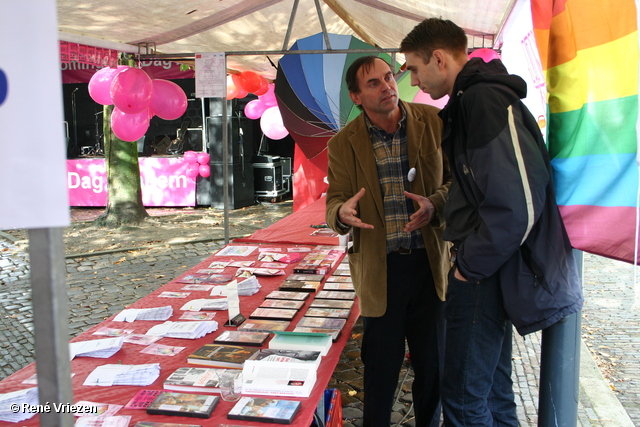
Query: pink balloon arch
point(131, 90)
point(129, 127)
point(169, 102)
point(100, 84)
point(136, 98)
point(197, 164)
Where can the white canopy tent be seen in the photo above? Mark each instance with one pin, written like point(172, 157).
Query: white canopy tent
point(254, 34)
point(235, 26)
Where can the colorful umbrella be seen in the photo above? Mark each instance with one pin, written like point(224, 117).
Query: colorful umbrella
point(311, 89)
point(315, 104)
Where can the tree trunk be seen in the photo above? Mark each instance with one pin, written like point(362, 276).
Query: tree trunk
point(124, 194)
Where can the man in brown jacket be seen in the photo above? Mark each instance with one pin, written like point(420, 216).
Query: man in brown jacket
point(388, 181)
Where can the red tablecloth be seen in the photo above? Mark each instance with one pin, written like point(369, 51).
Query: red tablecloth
point(296, 228)
point(130, 353)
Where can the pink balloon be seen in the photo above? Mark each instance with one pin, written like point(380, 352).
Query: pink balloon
point(129, 127)
point(487, 55)
point(424, 98)
point(254, 109)
point(203, 158)
point(269, 98)
point(100, 84)
point(190, 156)
point(271, 124)
point(131, 90)
point(204, 171)
point(168, 101)
point(192, 170)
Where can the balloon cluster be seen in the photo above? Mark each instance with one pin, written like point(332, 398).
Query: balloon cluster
point(197, 164)
point(240, 85)
point(266, 109)
point(136, 99)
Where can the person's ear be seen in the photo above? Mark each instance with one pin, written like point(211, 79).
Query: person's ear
point(355, 98)
point(439, 57)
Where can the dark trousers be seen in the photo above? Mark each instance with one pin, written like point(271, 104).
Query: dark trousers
point(477, 389)
point(414, 312)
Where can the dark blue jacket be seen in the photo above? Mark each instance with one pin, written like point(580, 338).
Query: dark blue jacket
point(501, 212)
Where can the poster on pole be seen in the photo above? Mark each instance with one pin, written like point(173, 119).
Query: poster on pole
point(33, 168)
point(211, 74)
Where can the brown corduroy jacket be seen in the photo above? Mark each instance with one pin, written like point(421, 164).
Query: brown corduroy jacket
point(352, 166)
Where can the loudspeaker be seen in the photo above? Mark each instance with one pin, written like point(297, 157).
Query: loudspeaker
point(210, 192)
point(241, 131)
point(241, 143)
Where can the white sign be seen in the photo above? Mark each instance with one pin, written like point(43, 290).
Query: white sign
point(234, 300)
point(211, 75)
point(33, 168)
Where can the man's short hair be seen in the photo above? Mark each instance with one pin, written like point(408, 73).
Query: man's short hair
point(432, 34)
point(351, 77)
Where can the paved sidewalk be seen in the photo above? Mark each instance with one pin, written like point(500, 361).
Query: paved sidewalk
point(101, 285)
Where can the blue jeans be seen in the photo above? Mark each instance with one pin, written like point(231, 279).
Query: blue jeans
point(477, 389)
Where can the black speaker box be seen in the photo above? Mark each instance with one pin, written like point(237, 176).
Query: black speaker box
point(243, 137)
point(210, 191)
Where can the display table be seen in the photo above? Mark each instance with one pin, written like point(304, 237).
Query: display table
point(296, 228)
point(81, 367)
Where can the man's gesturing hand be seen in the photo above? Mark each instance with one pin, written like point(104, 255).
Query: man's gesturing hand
point(347, 212)
point(422, 216)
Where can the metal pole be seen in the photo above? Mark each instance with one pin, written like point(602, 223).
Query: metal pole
point(205, 134)
point(75, 120)
point(285, 44)
point(560, 368)
point(188, 55)
point(325, 34)
point(50, 320)
point(225, 156)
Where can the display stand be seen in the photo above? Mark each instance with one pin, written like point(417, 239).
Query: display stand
point(131, 354)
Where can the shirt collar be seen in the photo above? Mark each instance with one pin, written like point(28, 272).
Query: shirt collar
point(374, 128)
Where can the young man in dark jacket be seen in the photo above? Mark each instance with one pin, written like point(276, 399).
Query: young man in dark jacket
point(512, 258)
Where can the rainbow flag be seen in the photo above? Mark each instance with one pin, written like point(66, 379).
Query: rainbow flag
point(589, 54)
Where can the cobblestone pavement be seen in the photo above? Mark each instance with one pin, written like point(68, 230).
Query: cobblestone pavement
point(101, 285)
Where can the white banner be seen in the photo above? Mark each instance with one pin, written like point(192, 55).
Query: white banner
point(33, 169)
point(520, 56)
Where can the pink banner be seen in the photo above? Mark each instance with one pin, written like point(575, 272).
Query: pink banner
point(164, 182)
point(76, 72)
point(64, 52)
point(73, 51)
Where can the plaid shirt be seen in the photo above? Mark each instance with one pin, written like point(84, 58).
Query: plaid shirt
point(392, 161)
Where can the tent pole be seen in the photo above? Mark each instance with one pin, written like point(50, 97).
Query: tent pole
point(184, 56)
point(225, 156)
point(50, 320)
point(325, 34)
point(560, 368)
point(292, 18)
